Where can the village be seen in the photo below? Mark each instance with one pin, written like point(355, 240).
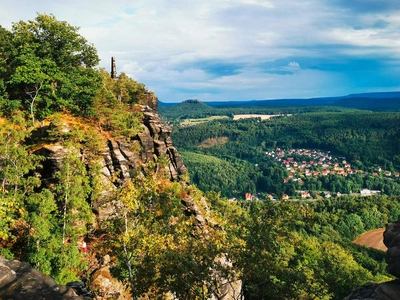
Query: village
point(315, 163)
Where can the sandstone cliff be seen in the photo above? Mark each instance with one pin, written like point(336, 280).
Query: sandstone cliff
point(119, 159)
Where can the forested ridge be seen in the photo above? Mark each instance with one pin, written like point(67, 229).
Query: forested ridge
point(162, 236)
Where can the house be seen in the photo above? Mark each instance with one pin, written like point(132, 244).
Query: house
point(367, 192)
point(249, 196)
point(285, 197)
point(388, 173)
point(305, 194)
point(325, 172)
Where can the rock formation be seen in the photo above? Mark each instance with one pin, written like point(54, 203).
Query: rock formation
point(19, 281)
point(120, 159)
point(387, 290)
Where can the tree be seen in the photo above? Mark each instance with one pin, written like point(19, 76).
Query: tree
point(73, 190)
point(15, 165)
point(51, 67)
point(42, 241)
point(5, 53)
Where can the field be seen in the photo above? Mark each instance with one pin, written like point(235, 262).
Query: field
point(373, 239)
point(247, 116)
point(190, 122)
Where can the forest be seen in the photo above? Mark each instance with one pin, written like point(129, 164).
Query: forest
point(368, 140)
point(52, 95)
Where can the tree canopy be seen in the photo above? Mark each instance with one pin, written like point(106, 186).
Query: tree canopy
point(47, 66)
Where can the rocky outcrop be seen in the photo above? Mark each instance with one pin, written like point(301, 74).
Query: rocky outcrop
point(151, 100)
point(19, 281)
point(122, 157)
point(226, 289)
point(104, 286)
point(391, 238)
point(222, 288)
point(387, 290)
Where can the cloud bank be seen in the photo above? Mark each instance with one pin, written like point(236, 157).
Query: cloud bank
point(238, 49)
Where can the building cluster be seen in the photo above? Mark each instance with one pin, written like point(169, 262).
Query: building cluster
point(318, 163)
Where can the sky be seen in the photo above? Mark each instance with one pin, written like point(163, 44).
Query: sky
point(237, 49)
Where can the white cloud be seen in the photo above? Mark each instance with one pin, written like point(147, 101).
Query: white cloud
point(152, 40)
point(294, 65)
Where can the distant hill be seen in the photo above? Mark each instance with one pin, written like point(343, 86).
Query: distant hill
point(374, 95)
point(191, 108)
point(384, 101)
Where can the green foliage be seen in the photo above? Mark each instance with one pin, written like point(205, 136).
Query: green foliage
point(15, 163)
point(154, 242)
point(41, 218)
point(73, 190)
point(189, 109)
point(49, 67)
point(280, 254)
point(209, 173)
point(114, 105)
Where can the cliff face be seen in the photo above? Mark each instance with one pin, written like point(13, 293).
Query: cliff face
point(120, 159)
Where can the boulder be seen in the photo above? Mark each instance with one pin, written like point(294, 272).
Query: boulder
point(19, 281)
point(391, 238)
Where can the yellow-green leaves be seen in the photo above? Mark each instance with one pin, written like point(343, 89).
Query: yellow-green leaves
point(15, 164)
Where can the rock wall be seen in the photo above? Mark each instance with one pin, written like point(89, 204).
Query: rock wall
point(121, 158)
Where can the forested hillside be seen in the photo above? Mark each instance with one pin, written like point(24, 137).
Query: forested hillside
point(93, 189)
point(365, 140)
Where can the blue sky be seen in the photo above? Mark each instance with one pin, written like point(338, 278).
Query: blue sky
point(238, 49)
